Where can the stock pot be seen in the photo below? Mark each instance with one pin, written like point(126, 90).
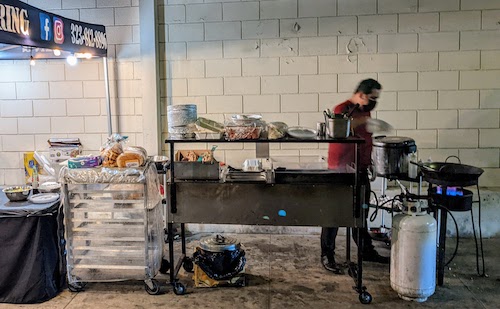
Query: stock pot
point(391, 155)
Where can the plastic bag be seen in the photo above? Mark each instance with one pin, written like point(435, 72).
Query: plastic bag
point(112, 149)
point(220, 265)
point(276, 130)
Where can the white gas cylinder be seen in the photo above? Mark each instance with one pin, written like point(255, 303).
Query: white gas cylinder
point(413, 255)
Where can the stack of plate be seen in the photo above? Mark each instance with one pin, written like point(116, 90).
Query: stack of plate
point(181, 119)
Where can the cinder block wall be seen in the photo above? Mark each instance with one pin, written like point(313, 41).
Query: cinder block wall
point(53, 99)
point(438, 62)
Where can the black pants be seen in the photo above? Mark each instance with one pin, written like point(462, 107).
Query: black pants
point(328, 234)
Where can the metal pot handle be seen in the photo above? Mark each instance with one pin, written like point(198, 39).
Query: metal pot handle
point(446, 161)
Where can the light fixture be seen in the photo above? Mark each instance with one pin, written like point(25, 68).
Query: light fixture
point(57, 52)
point(32, 61)
point(83, 55)
point(72, 60)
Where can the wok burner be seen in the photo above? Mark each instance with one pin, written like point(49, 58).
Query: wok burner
point(444, 200)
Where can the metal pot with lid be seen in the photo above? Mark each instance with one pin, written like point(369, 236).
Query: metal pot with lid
point(219, 243)
point(391, 155)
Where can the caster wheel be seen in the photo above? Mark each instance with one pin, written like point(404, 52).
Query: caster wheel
point(165, 266)
point(179, 288)
point(76, 287)
point(365, 298)
point(188, 265)
point(154, 290)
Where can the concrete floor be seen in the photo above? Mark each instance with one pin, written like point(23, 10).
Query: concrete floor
point(285, 272)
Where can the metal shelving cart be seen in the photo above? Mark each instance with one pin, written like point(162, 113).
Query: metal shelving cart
point(305, 196)
point(113, 225)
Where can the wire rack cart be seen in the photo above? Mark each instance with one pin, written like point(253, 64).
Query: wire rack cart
point(113, 225)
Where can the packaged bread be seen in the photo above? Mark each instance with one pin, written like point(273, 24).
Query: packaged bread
point(110, 154)
point(130, 159)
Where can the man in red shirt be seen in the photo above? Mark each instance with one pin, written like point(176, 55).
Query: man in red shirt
point(363, 100)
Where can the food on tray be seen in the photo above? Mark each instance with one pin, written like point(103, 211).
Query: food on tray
point(242, 132)
point(276, 130)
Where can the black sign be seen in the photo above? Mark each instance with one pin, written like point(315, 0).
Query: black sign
point(23, 24)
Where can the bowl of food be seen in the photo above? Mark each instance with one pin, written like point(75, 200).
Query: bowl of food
point(17, 193)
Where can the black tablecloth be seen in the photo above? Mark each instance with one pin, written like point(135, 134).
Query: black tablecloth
point(31, 268)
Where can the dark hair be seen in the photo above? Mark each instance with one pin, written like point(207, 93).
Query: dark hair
point(366, 86)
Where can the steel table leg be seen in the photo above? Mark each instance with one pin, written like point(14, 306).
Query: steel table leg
point(441, 250)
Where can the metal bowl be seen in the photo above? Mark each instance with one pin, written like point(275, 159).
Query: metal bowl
point(17, 193)
point(160, 162)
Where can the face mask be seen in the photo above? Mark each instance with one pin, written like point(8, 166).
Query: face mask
point(371, 105)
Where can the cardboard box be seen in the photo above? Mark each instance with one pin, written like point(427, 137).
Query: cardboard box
point(64, 153)
point(186, 170)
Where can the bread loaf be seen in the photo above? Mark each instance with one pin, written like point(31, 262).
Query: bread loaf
point(130, 159)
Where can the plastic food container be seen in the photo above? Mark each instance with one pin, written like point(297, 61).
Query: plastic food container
point(240, 127)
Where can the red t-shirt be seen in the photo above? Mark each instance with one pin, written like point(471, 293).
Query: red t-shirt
point(340, 155)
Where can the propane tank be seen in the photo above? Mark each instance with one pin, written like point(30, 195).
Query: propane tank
point(413, 252)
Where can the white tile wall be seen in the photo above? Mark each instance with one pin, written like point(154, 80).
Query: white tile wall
point(203, 12)
point(260, 29)
point(446, 80)
point(299, 65)
point(378, 24)
point(16, 108)
point(298, 27)
point(438, 62)
point(489, 98)
point(278, 9)
point(236, 11)
point(224, 104)
point(419, 22)
point(440, 119)
point(242, 85)
point(318, 83)
point(489, 59)
point(404, 120)
point(464, 20)
point(437, 6)
point(464, 60)
point(222, 67)
point(397, 43)
point(478, 119)
point(461, 138)
point(279, 84)
point(260, 66)
point(397, 6)
point(318, 46)
point(443, 41)
point(317, 8)
point(480, 40)
point(412, 62)
point(228, 30)
point(417, 100)
point(361, 7)
point(461, 99)
point(342, 25)
point(377, 63)
point(261, 103)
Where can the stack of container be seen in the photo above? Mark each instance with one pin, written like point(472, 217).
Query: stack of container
point(181, 119)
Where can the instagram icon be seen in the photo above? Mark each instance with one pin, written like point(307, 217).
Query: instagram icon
point(58, 30)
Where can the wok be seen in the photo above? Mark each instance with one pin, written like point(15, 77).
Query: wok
point(450, 174)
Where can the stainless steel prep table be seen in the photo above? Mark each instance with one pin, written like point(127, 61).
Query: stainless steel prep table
point(329, 201)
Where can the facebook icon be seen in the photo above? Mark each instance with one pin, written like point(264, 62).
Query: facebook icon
point(45, 27)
